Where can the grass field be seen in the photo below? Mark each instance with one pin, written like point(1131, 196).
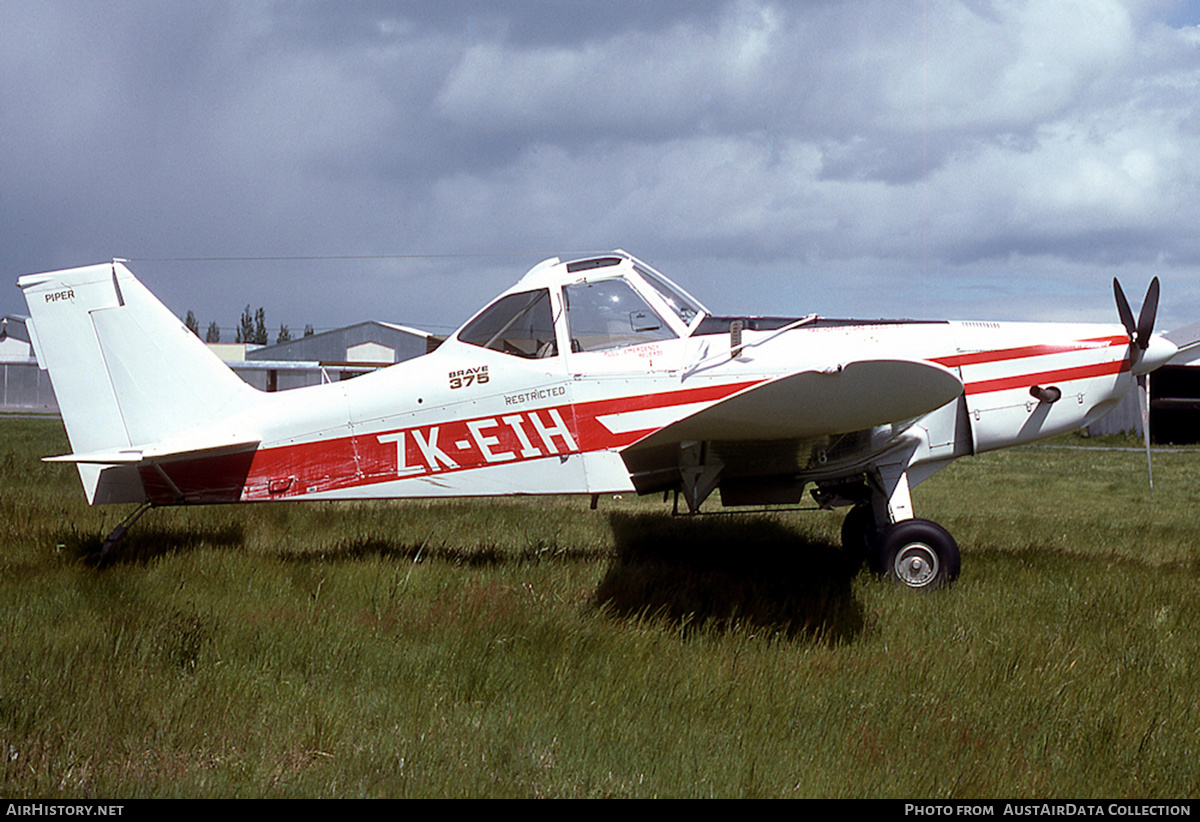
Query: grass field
point(532, 647)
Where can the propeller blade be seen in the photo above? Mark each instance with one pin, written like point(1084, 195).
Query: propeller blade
point(1143, 383)
point(1124, 310)
point(1145, 325)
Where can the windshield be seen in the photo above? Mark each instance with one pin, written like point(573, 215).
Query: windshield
point(684, 306)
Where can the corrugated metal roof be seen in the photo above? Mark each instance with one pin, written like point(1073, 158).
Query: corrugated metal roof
point(331, 346)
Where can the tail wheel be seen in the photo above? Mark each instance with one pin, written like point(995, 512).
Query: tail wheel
point(917, 553)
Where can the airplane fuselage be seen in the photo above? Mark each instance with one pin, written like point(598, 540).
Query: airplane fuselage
point(467, 421)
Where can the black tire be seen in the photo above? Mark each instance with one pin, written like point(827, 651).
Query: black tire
point(858, 535)
point(917, 553)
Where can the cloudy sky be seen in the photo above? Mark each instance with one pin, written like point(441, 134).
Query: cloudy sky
point(991, 159)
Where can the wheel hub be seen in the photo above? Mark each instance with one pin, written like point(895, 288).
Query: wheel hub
point(916, 565)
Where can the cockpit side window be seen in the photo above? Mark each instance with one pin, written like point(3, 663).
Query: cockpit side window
point(610, 314)
point(519, 324)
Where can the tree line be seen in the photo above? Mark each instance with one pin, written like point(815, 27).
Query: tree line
point(251, 329)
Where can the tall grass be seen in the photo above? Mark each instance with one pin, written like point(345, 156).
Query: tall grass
point(531, 647)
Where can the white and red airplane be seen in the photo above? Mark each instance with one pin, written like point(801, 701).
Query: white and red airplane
point(589, 376)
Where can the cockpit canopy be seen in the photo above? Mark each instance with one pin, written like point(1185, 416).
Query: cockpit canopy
point(605, 302)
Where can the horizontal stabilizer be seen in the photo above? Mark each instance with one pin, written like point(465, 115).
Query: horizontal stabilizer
point(99, 458)
point(168, 474)
point(853, 397)
point(155, 454)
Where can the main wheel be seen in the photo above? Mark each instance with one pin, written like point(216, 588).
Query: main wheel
point(917, 553)
point(858, 535)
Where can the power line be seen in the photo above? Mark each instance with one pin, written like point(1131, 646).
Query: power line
point(340, 257)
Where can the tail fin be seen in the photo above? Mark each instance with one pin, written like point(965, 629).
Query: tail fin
point(126, 372)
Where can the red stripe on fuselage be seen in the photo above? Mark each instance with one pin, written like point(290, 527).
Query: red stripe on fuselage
point(509, 436)
point(1028, 379)
point(1004, 354)
point(1081, 372)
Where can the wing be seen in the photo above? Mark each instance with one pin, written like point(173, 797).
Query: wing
point(812, 403)
point(853, 397)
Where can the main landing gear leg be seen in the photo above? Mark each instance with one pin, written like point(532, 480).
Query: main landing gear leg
point(699, 472)
point(913, 552)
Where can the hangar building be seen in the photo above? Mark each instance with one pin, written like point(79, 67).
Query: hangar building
point(326, 357)
point(1174, 399)
point(26, 387)
point(1175, 392)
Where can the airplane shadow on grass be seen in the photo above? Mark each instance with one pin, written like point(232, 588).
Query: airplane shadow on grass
point(709, 572)
point(716, 572)
point(144, 544)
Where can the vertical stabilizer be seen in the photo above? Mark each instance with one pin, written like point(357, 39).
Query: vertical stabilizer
point(126, 372)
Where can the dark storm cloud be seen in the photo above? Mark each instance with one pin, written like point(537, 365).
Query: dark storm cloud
point(533, 23)
point(784, 155)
